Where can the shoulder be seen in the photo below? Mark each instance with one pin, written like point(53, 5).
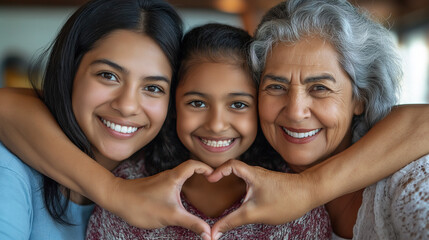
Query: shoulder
point(397, 206)
point(13, 169)
point(408, 192)
point(18, 186)
point(410, 178)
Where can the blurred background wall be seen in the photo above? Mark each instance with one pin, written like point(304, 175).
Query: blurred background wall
point(28, 26)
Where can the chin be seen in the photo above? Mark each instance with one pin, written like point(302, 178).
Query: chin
point(118, 155)
point(213, 162)
point(301, 162)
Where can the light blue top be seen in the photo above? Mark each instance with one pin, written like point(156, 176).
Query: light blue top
point(22, 211)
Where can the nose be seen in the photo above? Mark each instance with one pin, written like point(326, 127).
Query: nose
point(217, 120)
point(126, 101)
point(297, 105)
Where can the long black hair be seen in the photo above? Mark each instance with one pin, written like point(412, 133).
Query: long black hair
point(217, 43)
point(90, 23)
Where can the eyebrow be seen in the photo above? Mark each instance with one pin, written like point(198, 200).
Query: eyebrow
point(110, 63)
point(275, 78)
point(241, 94)
point(123, 70)
point(235, 94)
point(306, 80)
point(195, 93)
point(320, 78)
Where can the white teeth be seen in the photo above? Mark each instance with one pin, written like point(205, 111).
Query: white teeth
point(213, 143)
point(119, 128)
point(301, 134)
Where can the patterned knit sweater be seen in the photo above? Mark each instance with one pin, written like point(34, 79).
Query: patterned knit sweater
point(105, 225)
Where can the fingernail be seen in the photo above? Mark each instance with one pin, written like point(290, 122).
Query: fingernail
point(205, 236)
point(218, 235)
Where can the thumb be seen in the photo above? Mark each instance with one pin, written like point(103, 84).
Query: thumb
point(231, 221)
point(193, 223)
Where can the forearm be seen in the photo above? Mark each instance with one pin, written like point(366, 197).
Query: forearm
point(29, 130)
point(394, 142)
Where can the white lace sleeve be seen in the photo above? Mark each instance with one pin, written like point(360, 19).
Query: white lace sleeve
point(409, 191)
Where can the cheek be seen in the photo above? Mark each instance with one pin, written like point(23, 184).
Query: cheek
point(183, 121)
point(335, 113)
point(187, 123)
point(247, 125)
point(337, 118)
point(269, 107)
point(156, 110)
point(85, 98)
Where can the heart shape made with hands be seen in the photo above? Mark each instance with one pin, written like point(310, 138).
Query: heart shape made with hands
point(266, 192)
point(213, 198)
point(206, 192)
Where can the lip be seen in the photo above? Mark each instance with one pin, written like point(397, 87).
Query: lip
point(216, 149)
point(299, 140)
point(119, 135)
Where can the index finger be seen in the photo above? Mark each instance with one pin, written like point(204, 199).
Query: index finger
point(186, 169)
point(236, 167)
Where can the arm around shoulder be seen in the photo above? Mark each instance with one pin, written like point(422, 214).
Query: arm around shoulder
point(394, 142)
point(40, 142)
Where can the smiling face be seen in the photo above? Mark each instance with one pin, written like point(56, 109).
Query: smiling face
point(216, 112)
point(120, 95)
point(306, 104)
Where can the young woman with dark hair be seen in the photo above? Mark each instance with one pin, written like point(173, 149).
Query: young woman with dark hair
point(107, 84)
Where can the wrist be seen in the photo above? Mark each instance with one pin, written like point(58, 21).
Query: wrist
point(103, 190)
point(318, 188)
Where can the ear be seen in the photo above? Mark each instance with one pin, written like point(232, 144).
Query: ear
point(359, 107)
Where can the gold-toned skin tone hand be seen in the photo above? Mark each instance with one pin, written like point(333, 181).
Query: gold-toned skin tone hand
point(390, 145)
point(37, 139)
point(154, 202)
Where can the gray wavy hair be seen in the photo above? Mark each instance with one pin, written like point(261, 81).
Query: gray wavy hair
point(367, 51)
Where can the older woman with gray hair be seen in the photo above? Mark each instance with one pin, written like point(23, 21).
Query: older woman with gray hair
point(366, 51)
point(328, 74)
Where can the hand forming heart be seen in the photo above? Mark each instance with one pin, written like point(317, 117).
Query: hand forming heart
point(269, 199)
point(272, 197)
point(265, 200)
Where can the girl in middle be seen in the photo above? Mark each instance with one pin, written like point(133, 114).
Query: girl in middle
point(216, 120)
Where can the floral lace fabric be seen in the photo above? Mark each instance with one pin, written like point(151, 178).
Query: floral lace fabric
point(105, 225)
point(397, 207)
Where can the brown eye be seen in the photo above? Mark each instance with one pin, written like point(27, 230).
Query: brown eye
point(319, 88)
point(154, 89)
point(275, 89)
point(197, 104)
point(108, 76)
point(238, 105)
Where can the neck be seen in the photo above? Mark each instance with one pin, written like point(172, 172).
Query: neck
point(103, 161)
point(212, 199)
point(343, 210)
point(343, 213)
point(76, 197)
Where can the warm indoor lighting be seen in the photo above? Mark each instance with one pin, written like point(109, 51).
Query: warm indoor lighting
point(230, 6)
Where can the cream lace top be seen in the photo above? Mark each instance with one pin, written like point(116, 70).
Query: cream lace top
point(397, 207)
